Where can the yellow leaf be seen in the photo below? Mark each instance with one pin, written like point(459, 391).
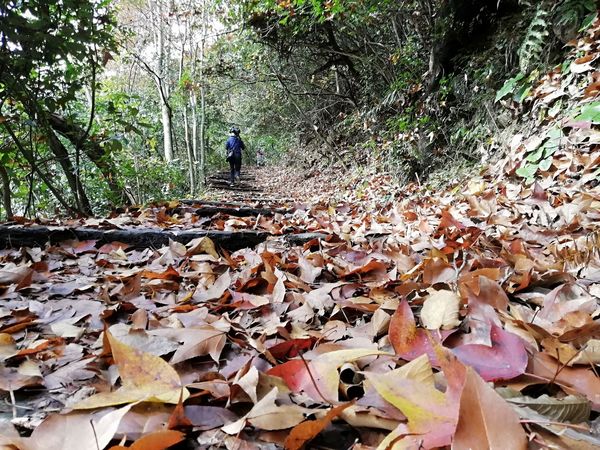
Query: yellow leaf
point(429, 411)
point(325, 370)
point(202, 245)
point(418, 369)
point(144, 377)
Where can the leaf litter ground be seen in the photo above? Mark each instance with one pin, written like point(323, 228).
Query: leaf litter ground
point(466, 317)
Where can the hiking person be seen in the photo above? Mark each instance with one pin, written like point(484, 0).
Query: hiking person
point(260, 157)
point(233, 148)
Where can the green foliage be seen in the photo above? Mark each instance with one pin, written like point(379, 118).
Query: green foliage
point(535, 39)
point(590, 112)
point(149, 179)
point(575, 14)
point(519, 87)
point(47, 46)
point(50, 50)
point(541, 158)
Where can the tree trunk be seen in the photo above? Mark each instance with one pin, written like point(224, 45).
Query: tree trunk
point(161, 85)
point(202, 91)
point(62, 156)
point(167, 131)
point(6, 200)
point(92, 150)
point(186, 128)
point(190, 153)
point(194, 126)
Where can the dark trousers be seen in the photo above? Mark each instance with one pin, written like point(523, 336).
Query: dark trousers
point(235, 164)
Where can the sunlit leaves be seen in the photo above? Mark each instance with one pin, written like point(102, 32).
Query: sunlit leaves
point(144, 377)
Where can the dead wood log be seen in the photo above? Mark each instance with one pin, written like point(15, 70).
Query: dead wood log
point(38, 236)
point(17, 236)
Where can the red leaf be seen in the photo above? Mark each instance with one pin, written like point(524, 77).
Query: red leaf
point(293, 373)
point(410, 342)
point(505, 359)
point(169, 274)
point(290, 348)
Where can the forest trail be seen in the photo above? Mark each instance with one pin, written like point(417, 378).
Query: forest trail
point(233, 217)
point(256, 188)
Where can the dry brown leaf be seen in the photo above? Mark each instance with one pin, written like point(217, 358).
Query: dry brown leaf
point(159, 440)
point(485, 419)
point(306, 431)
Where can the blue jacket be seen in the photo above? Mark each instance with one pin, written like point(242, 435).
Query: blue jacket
point(235, 145)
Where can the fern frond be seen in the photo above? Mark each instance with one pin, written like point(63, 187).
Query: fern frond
point(535, 39)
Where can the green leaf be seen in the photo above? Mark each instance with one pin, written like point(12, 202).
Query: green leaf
point(590, 112)
point(588, 21)
point(535, 156)
point(509, 86)
point(527, 171)
point(545, 164)
point(549, 151)
point(522, 93)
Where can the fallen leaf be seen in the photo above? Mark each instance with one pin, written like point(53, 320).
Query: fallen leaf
point(267, 415)
point(430, 414)
point(571, 408)
point(169, 274)
point(410, 342)
point(440, 310)
point(76, 431)
point(144, 377)
point(574, 380)
point(486, 421)
point(505, 359)
point(216, 290)
point(306, 431)
point(196, 341)
point(159, 440)
point(319, 378)
point(202, 245)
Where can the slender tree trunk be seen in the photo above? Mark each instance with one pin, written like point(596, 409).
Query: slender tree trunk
point(190, 153)
point(193, 103)
point(6, 200)
point(92, 150)
point(167, 131)
point(62, 156)
point(194, 124)
point(186, 127)
point(202, 90)
point(160, 75)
